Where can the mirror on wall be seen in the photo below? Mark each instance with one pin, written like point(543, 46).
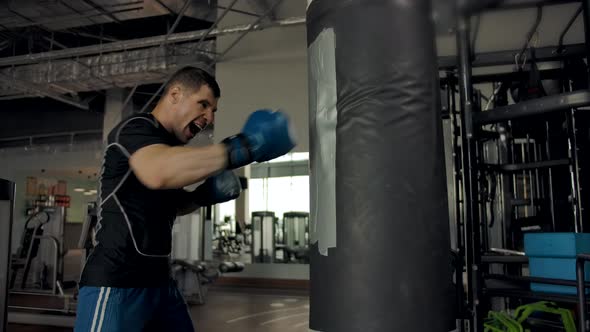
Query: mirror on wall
point(275, 229)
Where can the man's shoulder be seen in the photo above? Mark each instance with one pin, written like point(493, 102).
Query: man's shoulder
point(135, 122)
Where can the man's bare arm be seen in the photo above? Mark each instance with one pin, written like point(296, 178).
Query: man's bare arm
point(160, 166)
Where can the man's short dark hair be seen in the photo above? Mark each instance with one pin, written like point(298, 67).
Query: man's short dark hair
point(194, 78)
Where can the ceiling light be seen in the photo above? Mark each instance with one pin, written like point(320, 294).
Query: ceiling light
point(79, 190)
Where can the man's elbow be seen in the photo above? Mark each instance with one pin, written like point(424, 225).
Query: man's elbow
point(151, 177)
point(150, 174)
point(152, 181)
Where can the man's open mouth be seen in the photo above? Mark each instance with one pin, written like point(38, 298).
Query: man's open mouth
point(196, 128)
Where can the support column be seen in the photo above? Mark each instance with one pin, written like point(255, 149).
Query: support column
point(115, 109)
point(380, 255)
point(472, 221)
point(243, 202)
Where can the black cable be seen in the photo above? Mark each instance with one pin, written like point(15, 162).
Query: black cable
point(531, 32)
point(567, 28)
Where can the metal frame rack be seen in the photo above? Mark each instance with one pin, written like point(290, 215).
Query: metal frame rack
point(468, 150)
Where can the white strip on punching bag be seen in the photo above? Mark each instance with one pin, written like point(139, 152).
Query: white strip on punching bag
point(323, 119)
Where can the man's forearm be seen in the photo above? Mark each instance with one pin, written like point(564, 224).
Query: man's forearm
point(164, 167)
point(220, 188)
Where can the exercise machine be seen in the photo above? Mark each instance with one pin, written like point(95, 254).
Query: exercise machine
point(194, 266)
point(38, 262)
point(31, 240)
point(193, 278)
point(59, 314)
point(86, 241)
point(41, 251)
point(292, 238)
point(263, 236)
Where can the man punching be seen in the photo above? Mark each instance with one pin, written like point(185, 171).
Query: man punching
point(126, 284)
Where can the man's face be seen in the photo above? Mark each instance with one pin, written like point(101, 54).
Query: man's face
point(193, 110)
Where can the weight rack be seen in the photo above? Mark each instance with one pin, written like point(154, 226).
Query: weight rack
point(468, 158)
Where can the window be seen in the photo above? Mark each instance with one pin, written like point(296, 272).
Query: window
point(293, 156)
point(280, 185)
point(227, 209)
point(279, 194)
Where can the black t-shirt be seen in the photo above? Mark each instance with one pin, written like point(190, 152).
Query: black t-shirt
point(134, 229)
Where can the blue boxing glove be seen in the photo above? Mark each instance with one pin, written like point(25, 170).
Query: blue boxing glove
point(265, 136)
point(219, 188)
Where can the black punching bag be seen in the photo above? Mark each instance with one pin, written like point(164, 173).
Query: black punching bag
point(380, 230)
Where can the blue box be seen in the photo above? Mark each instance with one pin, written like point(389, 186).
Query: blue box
point(553, 255)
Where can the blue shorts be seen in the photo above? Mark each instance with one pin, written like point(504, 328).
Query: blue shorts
point(110, 309)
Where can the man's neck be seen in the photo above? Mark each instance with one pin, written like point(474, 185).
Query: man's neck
point(162, 117)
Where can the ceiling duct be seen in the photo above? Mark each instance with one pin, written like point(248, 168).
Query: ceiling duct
point(118, 64)
point(99, 72)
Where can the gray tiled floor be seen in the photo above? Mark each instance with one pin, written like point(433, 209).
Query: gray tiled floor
point(231, 311)
point(237, 310)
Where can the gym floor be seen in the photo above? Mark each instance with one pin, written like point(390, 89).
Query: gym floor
point(236, 310)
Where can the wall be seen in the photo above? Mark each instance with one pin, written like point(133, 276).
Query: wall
point(267, 69)
point(79, 202)
point(63, 158)
point(281, 84)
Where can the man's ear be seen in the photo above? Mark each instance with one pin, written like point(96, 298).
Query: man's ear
point(175, 94)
